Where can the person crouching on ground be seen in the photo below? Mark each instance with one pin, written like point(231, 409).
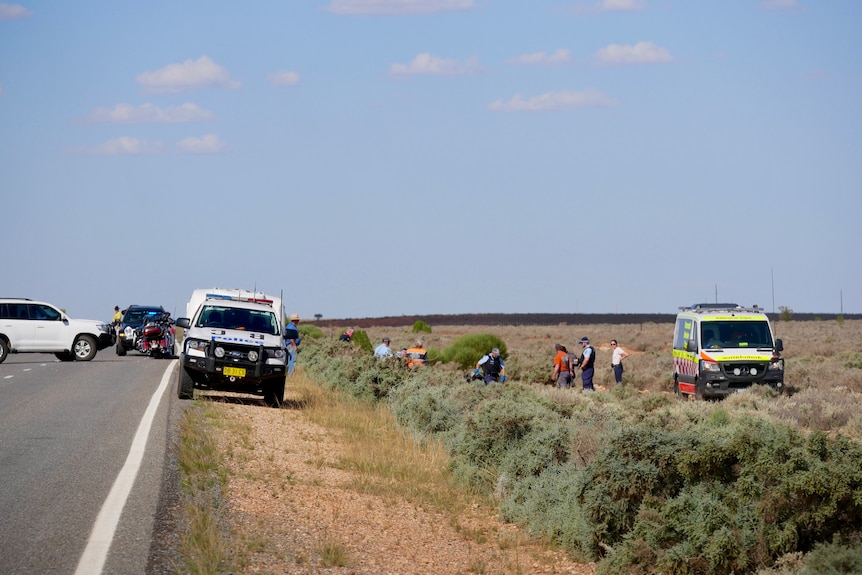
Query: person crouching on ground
point(493, 367)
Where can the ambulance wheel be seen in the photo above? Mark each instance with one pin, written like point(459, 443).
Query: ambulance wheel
point(698, 390)
point(676, 391)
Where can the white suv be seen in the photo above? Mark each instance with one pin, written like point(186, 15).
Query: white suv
point(38, 327)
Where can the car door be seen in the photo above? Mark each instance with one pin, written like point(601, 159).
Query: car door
point(50, 331)
point(18, 327)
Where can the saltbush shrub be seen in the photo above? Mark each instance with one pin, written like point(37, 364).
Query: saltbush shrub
point(639, 482)
point(421, 327)
point(309, 331)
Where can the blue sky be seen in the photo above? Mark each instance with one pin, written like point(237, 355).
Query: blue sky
point(399, 157)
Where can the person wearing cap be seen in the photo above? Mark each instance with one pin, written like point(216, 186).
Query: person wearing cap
point(619, 355)
point(587, 362)
point(383, 350)
point(493, 367)
point(562, 375)
point(291, 342)
point(118, 316)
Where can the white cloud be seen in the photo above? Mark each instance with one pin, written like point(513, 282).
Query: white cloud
point(150, 114)
point(778, 4)
point(13, 12)
point(564, 100)
point(123, 146)
point(432, 65)
point(540, 58)
point(622, 5)
point(640, 53)
point(284, 78)
point(206, 144)
point(607, 6)
point(398, 6)
point(200, 73)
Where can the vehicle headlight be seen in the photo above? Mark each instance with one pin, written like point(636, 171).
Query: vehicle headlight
point(105, 327)
point(129, 332)
point(252, 355)
point(196, 347)
point(710, 366)
point(277, 353)
point(219, 352)
point(776, 365)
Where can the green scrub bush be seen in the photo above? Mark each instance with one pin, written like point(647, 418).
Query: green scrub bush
point(468, 349)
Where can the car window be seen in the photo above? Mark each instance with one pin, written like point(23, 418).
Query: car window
point(240, 319)
point(19, 311)
point(4, 311)
point(44, 313)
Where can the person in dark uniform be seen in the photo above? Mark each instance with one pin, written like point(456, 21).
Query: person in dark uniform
point(493, 367)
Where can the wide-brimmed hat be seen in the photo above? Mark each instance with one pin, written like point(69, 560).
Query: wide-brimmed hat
point(294, 317)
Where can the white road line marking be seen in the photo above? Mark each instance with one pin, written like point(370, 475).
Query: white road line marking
point(8, 376)
point(27, 369)
point(93, 560)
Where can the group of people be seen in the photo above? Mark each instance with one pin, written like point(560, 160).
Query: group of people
point(565, 364)
point(416, 355)
point(491, 367)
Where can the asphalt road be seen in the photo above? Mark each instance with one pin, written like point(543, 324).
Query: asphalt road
point(66, 430)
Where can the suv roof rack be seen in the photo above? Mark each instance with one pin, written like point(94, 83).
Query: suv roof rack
point(18, 298)
point(708, 307)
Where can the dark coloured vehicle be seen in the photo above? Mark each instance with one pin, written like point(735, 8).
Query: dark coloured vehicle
point(134, 318)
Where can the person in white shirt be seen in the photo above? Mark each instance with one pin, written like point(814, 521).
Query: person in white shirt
point(383, 350)
point(617, 360)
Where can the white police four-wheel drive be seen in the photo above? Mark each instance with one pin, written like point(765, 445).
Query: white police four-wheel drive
point(721, 348)
point(233, 341)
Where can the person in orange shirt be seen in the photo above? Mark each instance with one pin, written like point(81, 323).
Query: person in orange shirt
point(416, 355)
point(562, 375)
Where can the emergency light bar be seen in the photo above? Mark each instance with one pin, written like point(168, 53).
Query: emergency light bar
point(237, 298)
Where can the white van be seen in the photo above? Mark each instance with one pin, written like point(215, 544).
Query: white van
point(721, 348)
point(233, 341)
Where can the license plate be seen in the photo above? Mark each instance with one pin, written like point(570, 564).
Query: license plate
point(235, 371)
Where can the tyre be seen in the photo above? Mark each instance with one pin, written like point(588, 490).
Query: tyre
point(698, 390)
point(121, 349)
point(185, 384)
point(84, 348)
point(273, 394)
point(676, 391)
point(65, 356)
point(4, 350)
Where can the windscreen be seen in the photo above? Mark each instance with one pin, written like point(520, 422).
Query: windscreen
point(735, 334)
point(224, 317)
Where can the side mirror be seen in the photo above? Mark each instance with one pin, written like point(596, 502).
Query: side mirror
point(779, 345)
point(183, 322)
point(691, 345)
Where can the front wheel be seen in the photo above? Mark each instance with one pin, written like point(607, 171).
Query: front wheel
point(121, 349)
point(4, 350)
point(698, 390)
point(84, 348)
point(273, 394)
point(185, 385)
point(65, 356)
point(676, 390)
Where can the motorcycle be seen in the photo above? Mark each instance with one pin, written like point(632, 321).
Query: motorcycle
point(156, 336)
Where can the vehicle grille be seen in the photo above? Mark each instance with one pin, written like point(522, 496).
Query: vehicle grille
point(747, 371)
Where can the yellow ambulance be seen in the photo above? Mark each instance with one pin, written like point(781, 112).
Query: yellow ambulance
point(720, 348)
